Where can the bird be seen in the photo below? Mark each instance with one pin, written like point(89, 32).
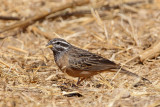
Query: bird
point(77, 62)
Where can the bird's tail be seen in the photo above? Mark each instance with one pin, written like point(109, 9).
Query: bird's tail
point(133, 74)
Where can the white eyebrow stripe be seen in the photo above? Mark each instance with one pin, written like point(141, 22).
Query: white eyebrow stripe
point(63, 42)
point(62, 47)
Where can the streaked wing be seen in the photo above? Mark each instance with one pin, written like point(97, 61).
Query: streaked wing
point(83, 60)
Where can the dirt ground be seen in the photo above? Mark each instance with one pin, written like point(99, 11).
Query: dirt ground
point(115, 29)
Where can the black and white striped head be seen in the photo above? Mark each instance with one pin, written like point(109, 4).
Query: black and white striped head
point(58, 45)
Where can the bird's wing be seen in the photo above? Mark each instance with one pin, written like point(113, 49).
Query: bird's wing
point(83, 60)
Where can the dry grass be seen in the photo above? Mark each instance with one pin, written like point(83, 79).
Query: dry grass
point(29, 76)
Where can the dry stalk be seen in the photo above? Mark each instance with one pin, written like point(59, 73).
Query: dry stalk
point(151, 52)
point(3, 63)
point(17, 49)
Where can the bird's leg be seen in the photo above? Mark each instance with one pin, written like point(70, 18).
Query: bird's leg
point(80, 80)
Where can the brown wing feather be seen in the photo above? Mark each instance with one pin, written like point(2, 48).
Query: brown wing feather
point(83, 60)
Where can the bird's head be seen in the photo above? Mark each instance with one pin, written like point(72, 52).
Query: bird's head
point(58, 45)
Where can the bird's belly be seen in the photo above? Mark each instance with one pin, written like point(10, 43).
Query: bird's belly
point(85, 74)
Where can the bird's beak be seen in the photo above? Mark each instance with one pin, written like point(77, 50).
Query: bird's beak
point(49, 46)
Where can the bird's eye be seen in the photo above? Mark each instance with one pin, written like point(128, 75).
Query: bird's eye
point(58, 43)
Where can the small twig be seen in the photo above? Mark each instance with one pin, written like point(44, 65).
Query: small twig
point(17, 49)
point(106, 82)
point(37, 70)
point(115, 75)
point(131, 59)
point(67, 14)
point(4, 64)
point(108, 7)
point(9, 18)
